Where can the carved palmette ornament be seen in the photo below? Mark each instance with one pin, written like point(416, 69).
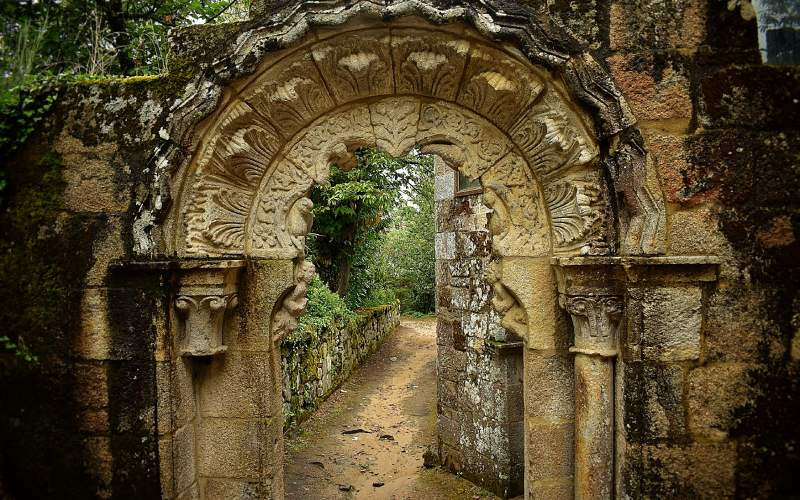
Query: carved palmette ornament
point(428, 64)
point(294, 304)
point(578, 215)
point(394, 121)
point(498, 87)
point(356, 65)
point(290, 94)
point(227, 178)
point(464, 140)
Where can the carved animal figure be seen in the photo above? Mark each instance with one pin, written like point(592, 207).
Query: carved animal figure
point(298, 223)
point(294, 304)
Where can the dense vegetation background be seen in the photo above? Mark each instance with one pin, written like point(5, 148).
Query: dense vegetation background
point(373, 238)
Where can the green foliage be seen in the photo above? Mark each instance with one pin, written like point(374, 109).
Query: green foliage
point(119, 37)
point(353, 208)
point(22, 110)
point(373, 231)
point(404, 262)
point(18, 348)
point(324, 309)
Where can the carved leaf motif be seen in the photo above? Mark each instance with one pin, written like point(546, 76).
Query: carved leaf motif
point(564, 214)
point(356, 65)
point(478, 142)
point(577, 212)
point(498, 87)
point(226, 234)
point(290, 94)
point(428, 64)
point(395, 124)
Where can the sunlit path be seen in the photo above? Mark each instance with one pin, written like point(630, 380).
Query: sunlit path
point(368, 439)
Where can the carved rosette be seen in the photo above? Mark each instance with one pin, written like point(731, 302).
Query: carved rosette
point(595, 321)
point(205, 296)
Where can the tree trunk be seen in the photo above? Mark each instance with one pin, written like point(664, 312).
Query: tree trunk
point(115, 17)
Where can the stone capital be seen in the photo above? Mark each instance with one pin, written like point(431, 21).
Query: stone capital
point(595, 319)
point(204, 296)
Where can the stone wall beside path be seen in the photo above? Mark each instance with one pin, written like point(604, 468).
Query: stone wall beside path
point(314, 367)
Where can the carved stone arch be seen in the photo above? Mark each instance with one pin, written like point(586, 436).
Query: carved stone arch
point(502, 120)
point(538, 121)
point(425, 67)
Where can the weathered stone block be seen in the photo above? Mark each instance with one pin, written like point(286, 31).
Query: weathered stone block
point(184, 457)
point(699, 470)
point(695, 232)
point(165, 469)
point(638, 24)
point(94, 182)
point(549, 450)
point(653, 407)
point(94, 341)
point(671, 323)
point(656, 86)
point(238, 384)
point(445, 245)
point(715, 394)
point(757, 97)
point(235, 448)
point(229, 488)
point(444, 187)
point(549, 382)
point(451, 363)
point(92, 385)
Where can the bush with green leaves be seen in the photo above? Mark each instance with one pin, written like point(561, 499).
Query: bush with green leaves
point(324, 310)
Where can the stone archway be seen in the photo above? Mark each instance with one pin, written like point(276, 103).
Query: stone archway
point(559, 195)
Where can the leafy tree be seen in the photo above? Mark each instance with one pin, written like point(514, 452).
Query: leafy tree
point(353, 209)
point(119, 37)
point(404, 262)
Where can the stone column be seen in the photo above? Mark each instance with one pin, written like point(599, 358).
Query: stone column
point(590, 290)
point(595, 320)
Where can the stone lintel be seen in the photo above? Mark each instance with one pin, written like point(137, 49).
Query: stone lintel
point(582, 275)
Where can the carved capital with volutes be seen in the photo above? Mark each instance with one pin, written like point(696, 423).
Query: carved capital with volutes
point(204, 299)
point(595, 320)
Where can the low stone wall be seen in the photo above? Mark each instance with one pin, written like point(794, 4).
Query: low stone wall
point(312, 369)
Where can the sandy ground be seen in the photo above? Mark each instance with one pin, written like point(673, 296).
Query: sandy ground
point(367, 440)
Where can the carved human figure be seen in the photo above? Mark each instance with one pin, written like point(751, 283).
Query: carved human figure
point(500, 220)
point(512, 314)
point(294, 304)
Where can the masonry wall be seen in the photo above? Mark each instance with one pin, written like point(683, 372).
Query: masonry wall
point(479, 365)
point(707, 407)
point(315, 365)
point(715, 419)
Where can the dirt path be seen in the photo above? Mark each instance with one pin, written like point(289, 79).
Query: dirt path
point(367, 440)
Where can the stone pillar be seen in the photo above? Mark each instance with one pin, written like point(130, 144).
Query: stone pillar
point(595, 320)
point(659, 325)
point(591, 292)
